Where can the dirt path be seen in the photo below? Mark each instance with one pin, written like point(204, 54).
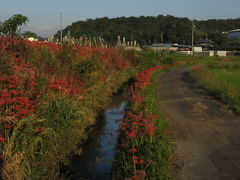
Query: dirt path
point(207, 137)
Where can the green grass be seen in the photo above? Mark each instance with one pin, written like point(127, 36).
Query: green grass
point(62, 123)
point(161, 149)
point(156, 149)
point(221, 79)
point(144, 59)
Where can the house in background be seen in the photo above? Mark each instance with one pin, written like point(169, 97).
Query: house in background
point(206, 44)
point(32, 39)
point(233, 34)
point(184, 49)
point(163, 47)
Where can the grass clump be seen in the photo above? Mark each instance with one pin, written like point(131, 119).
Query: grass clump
point(221, 79)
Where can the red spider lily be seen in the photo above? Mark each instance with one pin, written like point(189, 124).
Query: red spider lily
point(133, 150)
point(9, 126)
point(2, 102)
point(39, 130)
point(137, 125)
point(2, 139)
point(166, 132)
point(149, 130)
point(141, 174)
point(141, 161)
point(132, 134)
point(68, 86)
point(14, 92)
point(135, 159)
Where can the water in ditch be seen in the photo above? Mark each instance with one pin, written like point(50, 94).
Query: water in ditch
point(95, 161)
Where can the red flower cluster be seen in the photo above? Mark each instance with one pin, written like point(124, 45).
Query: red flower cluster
point(143, 79)
point(26, 74)
point(68, 86)
point(137, 160)
point(13, 42)
point(18, 86)
point(139, 175)
point(108, 55)
point(133, 126)
point(18, 106)
point(38, 44)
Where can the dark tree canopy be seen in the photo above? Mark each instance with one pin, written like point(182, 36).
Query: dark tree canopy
point(151, 29)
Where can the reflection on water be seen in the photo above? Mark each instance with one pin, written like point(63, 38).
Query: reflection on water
point(95, 162)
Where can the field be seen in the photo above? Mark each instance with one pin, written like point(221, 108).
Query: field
point(221, 79)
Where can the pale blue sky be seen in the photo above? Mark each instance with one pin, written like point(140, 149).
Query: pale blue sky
point(44, 14)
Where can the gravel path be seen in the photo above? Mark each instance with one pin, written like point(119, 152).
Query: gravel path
point(207, 138)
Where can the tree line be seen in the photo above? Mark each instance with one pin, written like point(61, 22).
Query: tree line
point(154, 29)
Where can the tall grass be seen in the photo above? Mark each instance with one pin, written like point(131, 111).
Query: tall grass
point(51, 94)
point(145, 148)
point(221, 79)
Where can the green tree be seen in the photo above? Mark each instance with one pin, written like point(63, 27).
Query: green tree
point(221, 41)
point(28, 34)
point(150, 29)
point(11, 26)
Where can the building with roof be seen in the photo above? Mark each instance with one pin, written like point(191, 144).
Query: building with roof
point(206, 44)
point(163, 47)
point(32, 39)
point(234, 34)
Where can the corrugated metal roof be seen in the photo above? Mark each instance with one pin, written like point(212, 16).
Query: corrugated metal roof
point(161, 45)
point(236, 30)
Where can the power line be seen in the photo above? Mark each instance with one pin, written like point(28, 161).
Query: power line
point(61, 25)
point(46, 13)
point(42, 13)
point(78, 15)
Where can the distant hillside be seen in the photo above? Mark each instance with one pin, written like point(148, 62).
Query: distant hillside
point(151, 29)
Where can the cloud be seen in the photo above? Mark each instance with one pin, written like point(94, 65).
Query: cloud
point(45, 28)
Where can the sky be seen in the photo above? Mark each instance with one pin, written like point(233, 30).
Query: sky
point(44, 15)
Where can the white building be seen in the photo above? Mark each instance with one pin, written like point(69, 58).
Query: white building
point(234, 34)
point(32, 39)
point(197, 49)
point(221, 53)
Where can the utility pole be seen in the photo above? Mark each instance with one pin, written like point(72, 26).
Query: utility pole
point(193, 27)
point(161, 37)
point(61, 35)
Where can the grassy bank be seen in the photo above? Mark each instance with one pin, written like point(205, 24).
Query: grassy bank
point(49, 95)
point(145, 148)
point(221, 79)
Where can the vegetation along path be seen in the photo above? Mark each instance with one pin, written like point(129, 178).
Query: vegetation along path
point(207, 137)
